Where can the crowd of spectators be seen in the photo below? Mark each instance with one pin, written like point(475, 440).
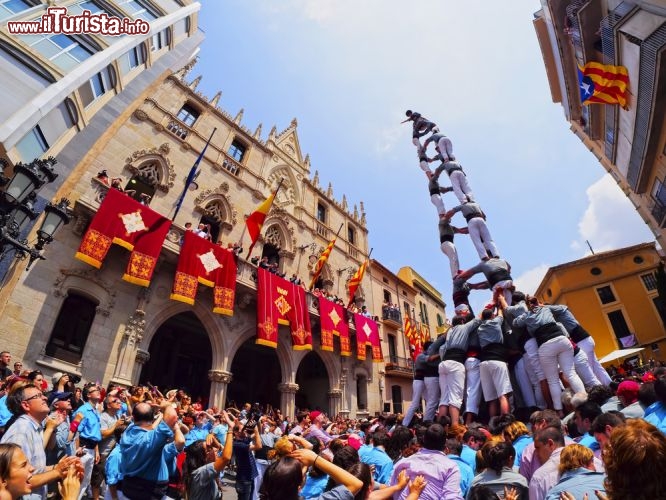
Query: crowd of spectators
point(139, 443)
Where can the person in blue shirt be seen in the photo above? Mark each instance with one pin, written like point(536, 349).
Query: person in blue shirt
point(656, 413)
point(145, 474)
point(473, 439)
point(112, 474)
point(453, 448)
point(518, 435)
point(89, 426)
point(585, 414)
point(202, 427)
point(378, 457)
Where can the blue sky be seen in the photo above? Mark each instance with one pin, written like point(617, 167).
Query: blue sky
point(348, 70)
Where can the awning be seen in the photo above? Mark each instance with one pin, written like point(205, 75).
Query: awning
point(620, 353)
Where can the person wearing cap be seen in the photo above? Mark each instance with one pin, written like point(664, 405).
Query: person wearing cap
point(453, 354)
point(60, 381)
point(87, 423)
point(60, 404)
point(627, 393)
point(316, 429)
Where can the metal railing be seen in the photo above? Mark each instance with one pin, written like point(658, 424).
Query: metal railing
point(391, 314)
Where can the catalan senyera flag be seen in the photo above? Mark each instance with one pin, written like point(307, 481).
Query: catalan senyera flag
point(201, 261)
point(604, 84)
point(255, 221)
point(126, 222)
point(425, 333)
point(333, 319)
point(355, 281)
point(320, 263)
point(281, 302)
point(409, 329)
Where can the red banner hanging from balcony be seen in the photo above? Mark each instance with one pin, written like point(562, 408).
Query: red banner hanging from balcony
point(201, 261)
point(333, 318)
point(126, 222)
point(367, 333)
point(281, 302)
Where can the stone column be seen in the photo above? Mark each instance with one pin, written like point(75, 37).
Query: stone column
point(344, 396)
point(334, 399)
point(219, 379)
point(288, 392)
point(126, 366)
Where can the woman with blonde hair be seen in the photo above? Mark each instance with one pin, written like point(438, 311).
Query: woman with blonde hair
point(518, 435)
point(578, 476)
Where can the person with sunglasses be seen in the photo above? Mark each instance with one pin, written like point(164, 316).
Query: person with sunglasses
point(29, 406)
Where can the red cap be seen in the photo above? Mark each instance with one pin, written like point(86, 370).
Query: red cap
point(629, 390)
point(649, 377)
point(314, 414)
point(355, 441)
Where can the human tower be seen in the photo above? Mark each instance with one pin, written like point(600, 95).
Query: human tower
point(495, 269)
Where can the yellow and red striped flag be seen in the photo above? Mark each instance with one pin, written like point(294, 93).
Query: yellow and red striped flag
point(409, 329)
point(355, 281)
point(425, 333)
point(320, 263)
point(602, 83)
point(255, 221)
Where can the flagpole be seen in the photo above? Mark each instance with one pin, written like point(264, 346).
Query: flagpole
point(247, 257)
point(192, 175)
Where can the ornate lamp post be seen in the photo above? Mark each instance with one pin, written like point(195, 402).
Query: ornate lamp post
point(17, 207)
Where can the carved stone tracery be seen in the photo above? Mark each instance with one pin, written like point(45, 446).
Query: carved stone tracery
point(67, 280)
point(154, 166)
point(217, 204)
point(220, 376)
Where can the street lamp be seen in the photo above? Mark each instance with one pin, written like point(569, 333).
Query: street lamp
point(17, 207)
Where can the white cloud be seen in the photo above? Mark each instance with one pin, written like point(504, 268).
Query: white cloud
point(610, 221)
point(530, 280)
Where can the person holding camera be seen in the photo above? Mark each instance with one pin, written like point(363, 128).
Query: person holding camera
point(246, 440)
point(110, 419)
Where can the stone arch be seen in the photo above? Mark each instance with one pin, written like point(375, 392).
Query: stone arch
point(154, 166)
point(207, 318)
point(284, 234)
point(288, 193)
point(362, 379)
point(217, 204)
point(283, 352)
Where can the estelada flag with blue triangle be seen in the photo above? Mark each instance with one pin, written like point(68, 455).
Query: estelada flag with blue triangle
point(603, 84)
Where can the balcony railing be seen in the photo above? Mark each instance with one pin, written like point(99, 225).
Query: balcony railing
point(322, 230)
point(399, 367)
point(389, 314)
point(659, 213)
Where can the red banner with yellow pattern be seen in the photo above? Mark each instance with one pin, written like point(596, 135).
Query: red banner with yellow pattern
point(201, 261)
point(367, 333)
point(281, 302)
point(125, 222)
point(333, 319)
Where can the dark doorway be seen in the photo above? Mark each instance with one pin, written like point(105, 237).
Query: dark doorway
point(272, 252)
point(256, 375)
point(180, 357)
point(312, 380)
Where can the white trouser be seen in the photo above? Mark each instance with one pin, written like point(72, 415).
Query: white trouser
point(87, 461)
point(533, 376)
point(587, 345)
point(524, 384)
point(533, 367)
point(478, 231)
point(437, 200)
point(460, 186)
point(450, 251)
point(451, 383)
point(445, 148)
point(584, 370)
point(473, 389)
point(417, 391)
point(424, 165)
point(432, 397)
point(262, 465)
point(506, 286)
point(556, 354)
point(495, 380)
